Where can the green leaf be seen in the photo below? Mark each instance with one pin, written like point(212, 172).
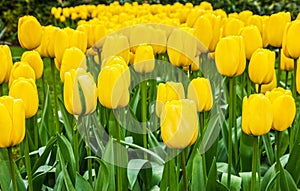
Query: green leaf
point(268, 148)
point(5, 176)
point(235, 183)
point(82, 184)
point(65, 119)
point(169, 179)
point(246, 152)
point(198, 180)
point(212, 176)
point(59, 183)
point(40, 176)
point(109, 157)
point(286, 180)
point(246, 180)
point(102, 182)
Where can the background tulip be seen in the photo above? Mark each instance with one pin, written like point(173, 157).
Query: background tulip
point(230, 56)
point(203, 30)
point(12, 121)
point(61, 44)
point(29, 32)
point(199, 91)
point(80, 92)
point(144, 61)
point(290, 44)
point(269, 86)
point(34, 59)
point(257, 115)
point(21, 69)
point(232, 26)
point(179, 123)
point(261, 66)
point(26, 90)
point(6, 63)
point(286, 64)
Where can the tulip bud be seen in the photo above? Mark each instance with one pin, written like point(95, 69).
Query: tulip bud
point(26, 90)
point(232, 26)
point(216, 32)
point(257, 21)
point(179, 123)
point(80, 92)
point(34, 59)
point(47, 46)
point(203, 30)
point(78, 39)
point(199, 91)
point(136, 38)
point(269, 86)
point(257, 115)
point(29, 32)
point(252, 39)
point(290, 43)
point(144, 61)
point(230, 56)
point(6, 63)
point(297, 77)
point(12, 121)
point(286, 64)
point(72, 59)
point(244, 15)
point(21, 69)
point(264, 33)
point(192, 17)
point(167, 92)
point(159, 41)
point(261, 66)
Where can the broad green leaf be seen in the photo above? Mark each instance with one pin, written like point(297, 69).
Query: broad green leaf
point(65, 120)
point(59, 183)
point(212, 176)
point(268, 148)
point(82, 184)
point(5, 176)
point(133, 170)
point(198, 179)
point(246, 180)
point(286, 180)
point(40, 175)
point(102, 182)
point(169, 179)
point(235, 183)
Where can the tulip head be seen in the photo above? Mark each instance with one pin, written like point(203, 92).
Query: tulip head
point(21, 69)
point(269, 86)
point(199, 91)
point(144, 61)
point(203, 30)
point(257, 116)
point(290, 43)
point(232, 26)
point(6, 63)
point(261, 66)
point(286, 64)
point(34, 59)
point(12, 121)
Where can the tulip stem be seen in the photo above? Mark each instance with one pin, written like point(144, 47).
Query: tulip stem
point(27, 163)
point(279, 71)
point(286, 79)
point(1, 90)
point(201, 121)
point(254, 164)
point(294, 79)
point(75, 139)
point(99, 57)
point(12, 169)
point(277, 150)
point(55, 95)
point(119, 158)
point(89, 160)
point(230, 125)
point(185, 186)
point(143, 87)
point(259, 88)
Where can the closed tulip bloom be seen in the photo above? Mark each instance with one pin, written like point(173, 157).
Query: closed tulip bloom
point(275, 27)
point(264, 33)
point(88, 30)
point(244, 15)
point(252, 39)
point(216, 31)
point(113, 86)
point(21, 69)
point(283, 107)
point(26, 90)
point(298, 77)
point(167, 92)
point(80, 92)
point(140, 34)
point(269, 86)
point(78, 39)
point(203, 30)
point(179, 123)
point(257, 21)
point(261, 66)
point(286, 64)
point(232, 26)
point(61, 44)
point(192, 17)
point(72, 59)
point(12, 121)
point(290, 44)
point(144, 61)
point(159, 41)
point(230, 56)
point(34, 59)
point(199, 91)
point(257, 115)
point(6, 63)
point(29, 32)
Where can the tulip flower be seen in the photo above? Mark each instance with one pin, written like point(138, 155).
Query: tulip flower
point(269, 86)
point(252, 39)
point(283, 107)
point(80, 92)
point(192, 17)
point(275, 28)
point(61, 44)
point(264, 33)
point(199, 90)
point(6, 63)
point(34, 59)
point(257, 21)
point(261, 66)
point(140, 34)
point(26, 90)
point(78, 39)
point(179, 123)
point(232, 26)
point(12, 121)
point(257, 115)
point(113, 86)
point(290, 44)
point(159, 41)
point(203, 30)
point(167, 92)
point(297, 77)
point(73, 58)
point(21, 69)
point(144, 61)
point(216, 30)
point(230, 56)
point(286, 64)
point(46, 48)
point(29, 32)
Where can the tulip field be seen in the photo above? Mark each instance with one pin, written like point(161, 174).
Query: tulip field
point(149, 96)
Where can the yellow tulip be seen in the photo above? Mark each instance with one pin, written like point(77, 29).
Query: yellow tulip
point(216, 31)
point(73, 58)
point(47, 46)
point(21, 69)
point(199, 90)
point(12, 121)
point(78, 39)
point(167, 92)
point(34, 59)
point(264, 33)
point(113, 86)
point(192, 17)
point(159, 41)
point(298, 77)
point(206, 6)
point(257, 21)
point(203, 30)
point(290, 44)
point(26, 90)
point(252, 39)
point(61, 44)
point(261, 66)
point(269, 86)
point(29, 32)
point(144, 61)
point(221, 13)
point(179, 123)
point(140, 34)
point(6, 63)
point(283, 107)
point(80, 92)
point(230, 56)
point(275, 27)
point(286, 64)
point(232, 26)
point(245, 15)
point(257, 115)
point(87, 28)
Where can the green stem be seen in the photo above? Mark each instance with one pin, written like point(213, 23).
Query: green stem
point(27, 163)
point(286, 79)
point(277, 150)
point(259, 88)
point(185, 186)
point(294, 79)
point(1, 90)
point(119, 169)
point(201, 121)
point(143, 86)
point(36, 132)
point(89, 160)
point(278, 68)
point(254, 165)
point(75, 139)
point(12, 169)
point(55, 95)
